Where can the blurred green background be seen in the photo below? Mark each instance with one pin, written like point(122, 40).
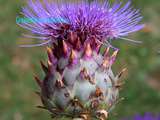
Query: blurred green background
point(18, 65)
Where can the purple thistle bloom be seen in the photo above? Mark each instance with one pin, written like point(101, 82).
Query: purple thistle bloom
point(79, 81)
point(95, 21)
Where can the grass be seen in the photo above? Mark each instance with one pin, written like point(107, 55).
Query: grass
point(17, 66)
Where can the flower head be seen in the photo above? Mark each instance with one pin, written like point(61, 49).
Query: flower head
point(79, 81)
point(81, 22)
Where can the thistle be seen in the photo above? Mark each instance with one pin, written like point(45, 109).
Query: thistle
point(79, 82)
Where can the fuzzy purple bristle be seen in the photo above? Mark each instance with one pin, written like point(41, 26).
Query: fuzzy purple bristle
point(81, 22)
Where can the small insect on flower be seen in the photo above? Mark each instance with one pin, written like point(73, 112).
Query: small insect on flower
point(94, 21)
point(78, 81)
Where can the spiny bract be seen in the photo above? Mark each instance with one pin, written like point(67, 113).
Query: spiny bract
point(78, 79)
point(79, 83)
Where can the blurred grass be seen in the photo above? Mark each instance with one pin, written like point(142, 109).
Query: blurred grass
point(17, 66)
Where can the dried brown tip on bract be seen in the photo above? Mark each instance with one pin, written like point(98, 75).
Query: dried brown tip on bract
point(59, 84)
point(38, 81)
point(65, 48)
point(84, 117)
point(44, 67)
point(76, 103)
point(72, 57)
point(122, 72)
point(49, 50)
point(88, 51)
point(106, 52)
point(115, 53)
point(102, 114)
point(98, 92)
point(106, 62)
point(78, 44)
point(50, 67)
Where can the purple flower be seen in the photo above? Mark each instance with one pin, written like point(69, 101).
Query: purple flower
point(147, 116)
point(95, 21)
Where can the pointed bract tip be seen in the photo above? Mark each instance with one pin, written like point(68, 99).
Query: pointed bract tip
point(78, 44)
point(51, 67)
point(122, 71)
point(98, 48)
point(119, 85)
point(114, 54)
point(102, 114)
point(84, 74)
point(106, 63)
point(84, 71)
point(88, 51)
point(49, 63)
point(38, 80)
point(113, 57)
point(106, 51)
point(73, 36)
point(44, 67)
point(72, 57)
point(65, 48)
point(59, 84)
point(49, 50)
point(73, 54)
point(83, 116)
point(98, 92)
point(51, 56)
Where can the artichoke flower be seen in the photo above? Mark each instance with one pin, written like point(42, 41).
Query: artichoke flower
point(79, 81)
